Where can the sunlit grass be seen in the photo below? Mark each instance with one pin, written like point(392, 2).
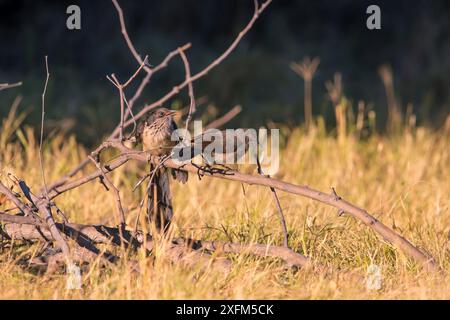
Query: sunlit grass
point(402, 180)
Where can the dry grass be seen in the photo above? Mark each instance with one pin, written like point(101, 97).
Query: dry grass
point(403, 181)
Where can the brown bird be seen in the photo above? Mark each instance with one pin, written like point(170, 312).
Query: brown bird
point(155, 133)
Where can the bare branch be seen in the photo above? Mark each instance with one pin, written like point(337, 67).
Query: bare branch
point(4, 86)
point(124, 31)
point(282, 218)
point(41, 161)
point(110, 184)
point(56, 191)
point(339, 203)
point(22, 228)
point(187, 69)
point(42, 205)
point(148, 76)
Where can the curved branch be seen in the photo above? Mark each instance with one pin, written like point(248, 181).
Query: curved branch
point(331, 199)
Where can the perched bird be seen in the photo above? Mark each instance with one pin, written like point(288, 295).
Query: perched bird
point(155, 132)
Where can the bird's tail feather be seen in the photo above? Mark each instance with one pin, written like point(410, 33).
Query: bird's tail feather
point(179, 175)
point(159, 207)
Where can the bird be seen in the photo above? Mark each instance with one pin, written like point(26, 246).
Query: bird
point(155, 133)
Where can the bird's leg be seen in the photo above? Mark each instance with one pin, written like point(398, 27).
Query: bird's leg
point(199, 169)
point(225, 167)
point(337, 198)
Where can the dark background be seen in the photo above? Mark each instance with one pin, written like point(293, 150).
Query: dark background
point(414, 40)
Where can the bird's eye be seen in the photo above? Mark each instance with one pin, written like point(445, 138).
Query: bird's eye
point(161, 113)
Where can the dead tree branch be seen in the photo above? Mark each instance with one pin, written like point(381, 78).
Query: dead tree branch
point(124, 31)
point(41, 204)
point(282, 218)
point(23, 228)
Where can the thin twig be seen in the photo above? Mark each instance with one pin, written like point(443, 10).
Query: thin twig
point(136, 73)
point(282, 218)
point(280, 210)
point(41, 160)
point(110, 184)
point(187, 70)
point(4, 86)
point(89, 177)
point(124, 31)
point(43, 204)
point(113, 79)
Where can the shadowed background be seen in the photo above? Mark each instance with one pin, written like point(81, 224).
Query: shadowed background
point(414, 40)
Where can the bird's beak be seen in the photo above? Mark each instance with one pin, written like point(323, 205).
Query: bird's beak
point(175, 114)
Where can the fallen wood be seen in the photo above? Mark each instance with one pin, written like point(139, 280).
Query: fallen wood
point(185, 250)
point(289, 256)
